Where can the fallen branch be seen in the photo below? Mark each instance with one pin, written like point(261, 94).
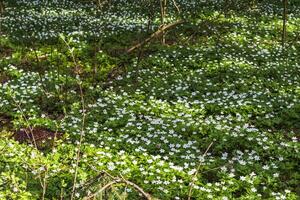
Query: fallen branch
point(117, 181)
point(156, 34)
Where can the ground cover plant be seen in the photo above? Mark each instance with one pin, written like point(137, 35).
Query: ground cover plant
point(180, 99)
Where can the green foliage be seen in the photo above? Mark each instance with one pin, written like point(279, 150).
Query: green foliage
point(150, 116)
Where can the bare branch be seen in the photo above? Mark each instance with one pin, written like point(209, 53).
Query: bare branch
point(118, 181)
point(156, 34)
point(196, 173)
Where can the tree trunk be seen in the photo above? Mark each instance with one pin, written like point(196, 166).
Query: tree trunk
point(284, 22)
point(163, 8)
point(1, 7)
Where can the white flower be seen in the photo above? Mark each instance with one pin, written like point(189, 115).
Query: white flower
point(280, 158)
point(242, 162)
point(266, 167)
point(252, 174)
point(192, 171)
point(33, 154)
point(223, 168)
point(111, 166)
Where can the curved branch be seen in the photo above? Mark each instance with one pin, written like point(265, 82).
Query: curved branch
point(160, 31)
point(117, 181)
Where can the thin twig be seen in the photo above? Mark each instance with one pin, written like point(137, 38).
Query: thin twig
point(82, 132)
point(176, 6)
point(27, 124)
point(197, 171)
point(42, 182)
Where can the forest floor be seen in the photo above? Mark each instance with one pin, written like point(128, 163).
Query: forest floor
point(214, 113)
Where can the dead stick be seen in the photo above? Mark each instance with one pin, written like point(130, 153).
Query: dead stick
point(196, 173)
point(155, 34)
point(176, 6)
point(116, 181)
